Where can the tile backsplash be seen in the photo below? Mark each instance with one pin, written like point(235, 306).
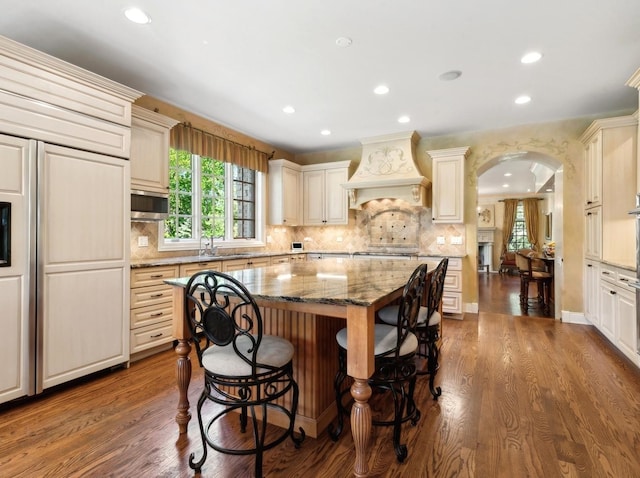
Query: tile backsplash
point(384, 225)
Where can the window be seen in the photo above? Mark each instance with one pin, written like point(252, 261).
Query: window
point(518, 239)
point(209, 198)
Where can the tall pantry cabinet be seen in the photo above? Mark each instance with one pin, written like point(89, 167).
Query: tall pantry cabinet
point(64, 148)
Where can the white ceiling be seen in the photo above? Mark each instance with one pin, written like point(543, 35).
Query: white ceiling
point(240, 62)
point(527, 175)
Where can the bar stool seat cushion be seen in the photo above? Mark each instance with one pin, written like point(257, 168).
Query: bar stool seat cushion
point(385, 339)
point(389, 315)
point(223, 360)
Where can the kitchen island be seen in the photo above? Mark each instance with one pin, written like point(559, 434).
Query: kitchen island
point(307, 303)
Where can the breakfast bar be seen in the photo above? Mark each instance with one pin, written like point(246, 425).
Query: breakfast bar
point(307, 302)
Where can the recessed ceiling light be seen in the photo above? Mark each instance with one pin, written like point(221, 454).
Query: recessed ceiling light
point(524, 99)
point(531, 57)
point(507, 174)
point(505, 185)
point(529, 190)
point(137, 16)
point(404, 119)
point(344, 42)
point(289, 109)
point(381, 90)
point(325, 132)
point(450, 75)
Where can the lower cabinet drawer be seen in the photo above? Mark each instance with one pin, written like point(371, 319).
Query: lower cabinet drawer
point(453, 281)
point(452, 302)
point(151, 336)
point(153, 314)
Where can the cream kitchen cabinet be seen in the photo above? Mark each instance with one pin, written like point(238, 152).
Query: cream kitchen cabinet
point(452, 293)
point(324, 199)
point(187, 270)
point(447, 202)
point(593, 233)
point(288, 259)
point(298, 258)
point(64, 150)
point(150, 150)
point(610, 189)
point(248, 263)
point(151, 308)
point(285, 188)
point(593, 170)
point(591, 295)
point(617, 311)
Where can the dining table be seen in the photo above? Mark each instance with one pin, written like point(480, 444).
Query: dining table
point(346, 291)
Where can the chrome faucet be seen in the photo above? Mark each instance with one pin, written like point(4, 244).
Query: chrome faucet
point(209, 249)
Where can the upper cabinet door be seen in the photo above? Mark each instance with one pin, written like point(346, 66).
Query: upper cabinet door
point(448, 185)
point(150, 150)
point(325, 200)
point(314, 198)
point(285, 182)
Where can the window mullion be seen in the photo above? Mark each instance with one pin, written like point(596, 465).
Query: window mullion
point(196, 197)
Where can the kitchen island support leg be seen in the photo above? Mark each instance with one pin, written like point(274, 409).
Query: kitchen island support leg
point(361, 425)
point(183, 377)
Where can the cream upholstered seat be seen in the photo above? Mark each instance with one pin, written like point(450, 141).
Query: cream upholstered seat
point(244, 370)
point(395, 371)
point(428, 324)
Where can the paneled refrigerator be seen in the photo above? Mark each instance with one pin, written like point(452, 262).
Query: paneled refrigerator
point(64, 275)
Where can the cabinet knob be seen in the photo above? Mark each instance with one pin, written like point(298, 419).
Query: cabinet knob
point(612, 292)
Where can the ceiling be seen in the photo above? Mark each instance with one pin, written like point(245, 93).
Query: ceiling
point(528, 174)
point(240, 62)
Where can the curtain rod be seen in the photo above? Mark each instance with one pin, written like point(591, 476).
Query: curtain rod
point(519, 199)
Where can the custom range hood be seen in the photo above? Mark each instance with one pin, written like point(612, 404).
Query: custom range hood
point(388, 170)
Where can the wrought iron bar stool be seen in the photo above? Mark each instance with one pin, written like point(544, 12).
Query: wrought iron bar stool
point(395, 370)
point(244, 370)
point(428, 325)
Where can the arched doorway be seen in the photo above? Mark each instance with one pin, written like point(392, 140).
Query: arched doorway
point(516, 175)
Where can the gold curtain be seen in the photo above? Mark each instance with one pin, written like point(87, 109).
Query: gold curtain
point(532, 220)
point(510, 206)
point(186, 138)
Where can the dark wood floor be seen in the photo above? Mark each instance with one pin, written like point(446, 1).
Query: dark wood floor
point(521, 397)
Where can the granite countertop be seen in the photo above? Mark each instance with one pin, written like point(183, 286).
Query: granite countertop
point(331, 281)
point(169, 261)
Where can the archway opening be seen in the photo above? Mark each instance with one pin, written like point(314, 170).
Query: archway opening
point(515, 175)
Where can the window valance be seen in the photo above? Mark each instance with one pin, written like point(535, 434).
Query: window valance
point(186, 138)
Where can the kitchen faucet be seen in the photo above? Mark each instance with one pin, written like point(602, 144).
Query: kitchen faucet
point(209, 249)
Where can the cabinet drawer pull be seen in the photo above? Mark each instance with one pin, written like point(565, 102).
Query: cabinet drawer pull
point(157, 276)
point(157, 314)
point(624, 279)
point(156, 335)
point(612, 292)
point(606, 273)
point(589, 265)
point(155, 296)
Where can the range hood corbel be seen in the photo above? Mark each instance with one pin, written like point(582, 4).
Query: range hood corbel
point(388, 170)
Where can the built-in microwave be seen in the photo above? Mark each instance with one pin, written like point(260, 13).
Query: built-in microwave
point(149, 206)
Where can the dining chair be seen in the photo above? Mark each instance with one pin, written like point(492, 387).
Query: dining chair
point(395, 370)
point(245, 371)
point(529, 273)
point(428, 324)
